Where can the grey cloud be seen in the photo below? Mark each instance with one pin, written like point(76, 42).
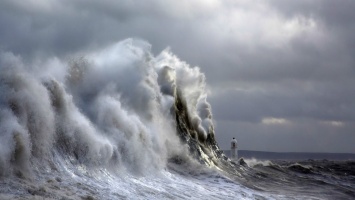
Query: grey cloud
point(335, 13)
point(321, 102)
point(63, 27)
point(335, 17)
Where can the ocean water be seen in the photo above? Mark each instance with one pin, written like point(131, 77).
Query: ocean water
point(121, 123)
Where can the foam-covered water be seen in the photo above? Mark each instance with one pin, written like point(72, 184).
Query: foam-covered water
point(121, 123)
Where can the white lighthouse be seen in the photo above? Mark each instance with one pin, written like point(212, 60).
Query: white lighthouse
point(234, 149)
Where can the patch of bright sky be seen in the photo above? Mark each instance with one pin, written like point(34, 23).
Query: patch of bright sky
point(274, 121)
point(334, 123)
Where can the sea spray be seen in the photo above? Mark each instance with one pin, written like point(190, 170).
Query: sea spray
point(27, 120)
point(114, 107)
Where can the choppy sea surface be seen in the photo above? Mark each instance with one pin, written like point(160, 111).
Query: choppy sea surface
point(252, 179)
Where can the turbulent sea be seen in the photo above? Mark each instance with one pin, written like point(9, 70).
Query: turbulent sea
point(121, 123)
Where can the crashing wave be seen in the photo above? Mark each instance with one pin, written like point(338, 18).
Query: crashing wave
point(119, 107)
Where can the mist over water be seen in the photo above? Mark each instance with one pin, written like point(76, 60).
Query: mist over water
point(116, 123)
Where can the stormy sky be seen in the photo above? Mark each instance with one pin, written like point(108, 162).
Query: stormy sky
point(280, 73)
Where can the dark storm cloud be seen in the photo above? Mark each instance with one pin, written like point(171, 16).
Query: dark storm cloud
point(283, 59)
point(62, 27)
point(318, 103)
point(39, 29)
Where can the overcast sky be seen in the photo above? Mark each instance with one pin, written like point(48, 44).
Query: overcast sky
point(280, 73)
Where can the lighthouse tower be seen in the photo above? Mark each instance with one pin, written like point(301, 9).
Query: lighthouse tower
point(234, 149)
